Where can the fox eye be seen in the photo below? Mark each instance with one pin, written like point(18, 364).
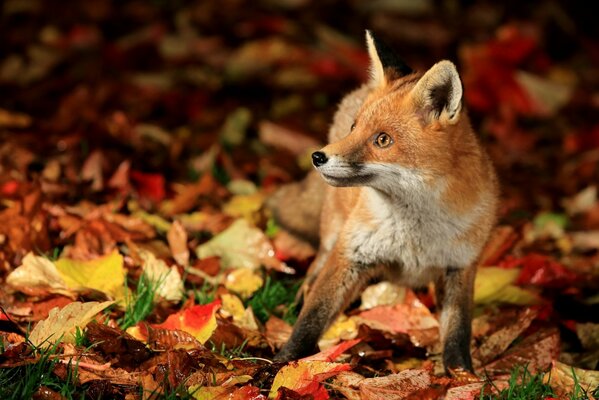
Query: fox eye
point(352, 127)
point(383, 140)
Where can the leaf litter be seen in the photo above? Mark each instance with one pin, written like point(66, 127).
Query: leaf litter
point(140, 142)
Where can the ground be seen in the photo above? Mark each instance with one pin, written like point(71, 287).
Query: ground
point(139, 141)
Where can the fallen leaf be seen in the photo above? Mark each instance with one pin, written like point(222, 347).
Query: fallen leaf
point(382, 294)
point(332, 353)
point(168, 282)
point(343, 328)
point(494, 284)
point(565, 378)
point(241, 246)
point(36, 271)
point(412, 318)
point(61, 323)
point(105, 274)
point(304, 377)
point(395, 386)
point(536, 352)
point(245, 206)
point(497, 342)
point(244, 282)
point(177, 241)
point(277, 331)
point(199, 321)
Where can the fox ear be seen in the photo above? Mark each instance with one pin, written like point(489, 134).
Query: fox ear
point(384, 63)
point(439, 93)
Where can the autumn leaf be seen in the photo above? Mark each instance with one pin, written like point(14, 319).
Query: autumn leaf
point(36, 271)
point(177, 241)
point(199, 321)
point(495, 284)
point(168, 282)
point(244, 282)
point(565, 378)
point(61, 323)
point(241, 246)
point(105, 274)
point(304, 377)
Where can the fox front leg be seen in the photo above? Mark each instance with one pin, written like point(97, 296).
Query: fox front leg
point(331, 292)
point(454, 292)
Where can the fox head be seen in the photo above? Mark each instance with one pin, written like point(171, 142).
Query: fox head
point(408, 127)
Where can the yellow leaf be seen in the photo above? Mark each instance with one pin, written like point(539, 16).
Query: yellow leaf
point(61, 323)
point(200, 392)
point(232, 306)
point(343, 328)
point(161, 224)
point(301, 375)
point(240, 246)
point(495, 284)
point(168, 280)
point(244, 282)
point(105, 274)
point(36, 271)
point(246, 206)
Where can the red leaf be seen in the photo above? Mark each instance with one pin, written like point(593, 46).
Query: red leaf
point(150, 186)
point(540, 270)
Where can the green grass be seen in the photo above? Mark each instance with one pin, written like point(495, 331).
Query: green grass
point(22, 382)
point(275, 298)
point(140, 304)
point(205, 294)
point(524, 385)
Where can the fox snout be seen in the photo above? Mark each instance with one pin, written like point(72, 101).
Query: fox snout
point(319, 158)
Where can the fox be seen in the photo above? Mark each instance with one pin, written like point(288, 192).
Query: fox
point(404, 191)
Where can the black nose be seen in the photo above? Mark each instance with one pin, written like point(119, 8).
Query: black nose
point(319, 158)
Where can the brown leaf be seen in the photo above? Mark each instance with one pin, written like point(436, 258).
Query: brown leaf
point(277, 332)
point(536, 351)
point(497, 342)
point(126, 351)
point(396, 386)
point(177, 241)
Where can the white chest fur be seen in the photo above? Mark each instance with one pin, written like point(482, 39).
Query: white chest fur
point(412, 231)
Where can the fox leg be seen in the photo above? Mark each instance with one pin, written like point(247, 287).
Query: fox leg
point(454, 291)
point(331, 292)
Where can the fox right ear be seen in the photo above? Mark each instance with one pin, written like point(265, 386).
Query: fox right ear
point(439, 93)
point(384, 63)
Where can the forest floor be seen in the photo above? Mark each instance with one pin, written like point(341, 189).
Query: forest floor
point(139, 142)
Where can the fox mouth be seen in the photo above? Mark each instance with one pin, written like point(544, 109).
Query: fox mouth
point(347, 180)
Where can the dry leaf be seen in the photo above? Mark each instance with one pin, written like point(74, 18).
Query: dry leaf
point(61, 323)
point(241, 246)
point(36, 271)
point(168, 280)
point(177, 241)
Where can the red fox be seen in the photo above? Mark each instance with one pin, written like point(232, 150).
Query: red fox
point(410, 195)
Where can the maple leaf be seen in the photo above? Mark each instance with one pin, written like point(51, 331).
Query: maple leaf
point(61, 323)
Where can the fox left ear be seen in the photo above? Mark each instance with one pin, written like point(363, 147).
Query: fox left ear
point(439, 93)
point(384, 63)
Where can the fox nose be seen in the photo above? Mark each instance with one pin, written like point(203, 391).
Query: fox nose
point(319, 158)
